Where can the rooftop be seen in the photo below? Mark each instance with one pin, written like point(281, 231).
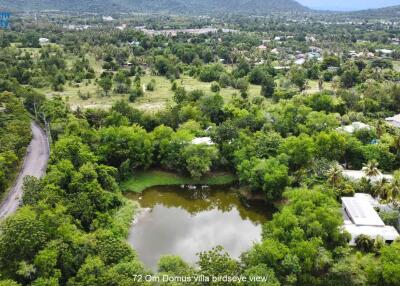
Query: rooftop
point(361, 212)
point(360, 217)
point(395, 120)
point(355, 126)
point(354, 175)
point(202, 140)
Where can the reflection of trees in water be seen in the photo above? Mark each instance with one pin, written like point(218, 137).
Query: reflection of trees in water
point(200, 200)
point(200, 194)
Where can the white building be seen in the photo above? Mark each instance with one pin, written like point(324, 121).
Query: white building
point(43, 41)
point(122, 27)
point(361, 218)
point(300, 62)
point(395, 120)
point(354, 127)
point(262, 47)
point(355, 176)
point(385, 52)
point(202, 140)
point(108, 18)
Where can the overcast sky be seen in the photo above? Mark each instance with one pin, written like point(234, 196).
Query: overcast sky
point(348, 4)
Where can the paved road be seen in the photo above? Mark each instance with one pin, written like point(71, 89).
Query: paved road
point(35, 164)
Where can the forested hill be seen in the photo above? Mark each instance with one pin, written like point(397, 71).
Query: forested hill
point(96, 6)
point(174, 6)
point(393, 11)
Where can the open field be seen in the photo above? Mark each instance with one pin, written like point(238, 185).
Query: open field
point(313, 86)
point(146, 179)
point(152, 100)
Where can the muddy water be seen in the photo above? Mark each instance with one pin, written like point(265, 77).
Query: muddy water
point(184, 222)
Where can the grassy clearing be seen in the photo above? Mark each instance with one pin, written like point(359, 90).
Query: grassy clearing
point(151, 101)
point(313, 86)
point(146, 179)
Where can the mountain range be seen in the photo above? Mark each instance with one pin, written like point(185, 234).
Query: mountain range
point(187, 6)
point(156, 6)
point(348, 5)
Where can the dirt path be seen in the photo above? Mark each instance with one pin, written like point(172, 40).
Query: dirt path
point(35, 164)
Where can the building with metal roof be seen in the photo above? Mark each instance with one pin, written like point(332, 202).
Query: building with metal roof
point(361, 218)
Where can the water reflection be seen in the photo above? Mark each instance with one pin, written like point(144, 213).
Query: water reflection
point(185, 222)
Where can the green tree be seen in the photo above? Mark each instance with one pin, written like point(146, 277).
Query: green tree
point(21, 237)
point(106, 84)
point(268, 86)
point(117, 144)
point(269, 175)
point(299, 150)
point(217, 262)
point(199, 159)
point(299, 78)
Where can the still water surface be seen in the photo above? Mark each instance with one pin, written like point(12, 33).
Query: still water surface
point(184, 222)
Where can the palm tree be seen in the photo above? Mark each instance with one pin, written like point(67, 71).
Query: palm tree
point(396, 144)
point(393, 191)
point(380, 189)
point(380, 128)
point(371, 169)
point(364, 243)
point(335, 174)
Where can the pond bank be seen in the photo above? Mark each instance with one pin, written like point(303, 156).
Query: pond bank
point(143, 180)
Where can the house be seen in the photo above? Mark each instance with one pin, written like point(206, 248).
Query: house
point(395, 41)
point(300, 61)
point(316, 49)
point(360, 218)
point(261, 62)
point(385, 52)
point(354, 175)
point(314, 55)
point(333, 69)
point(300, 56)
point(202, 140)
point(262, 47)
point(275, 51)
point(282, 68)
point(108, 18)
point(353, 127)
point(352, 54)
point(395, 120)
point(134, 43)
point(370, 55)
point(122, 27)
point(311, 39)
point(44, 41)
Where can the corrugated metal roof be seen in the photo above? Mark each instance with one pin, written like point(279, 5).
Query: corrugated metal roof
point(361, 212)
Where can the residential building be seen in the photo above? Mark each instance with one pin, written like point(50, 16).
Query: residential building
point(361, 218)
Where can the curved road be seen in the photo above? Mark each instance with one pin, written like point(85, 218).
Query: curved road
point(35, 164)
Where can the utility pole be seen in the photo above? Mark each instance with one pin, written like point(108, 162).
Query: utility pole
point(48, 132)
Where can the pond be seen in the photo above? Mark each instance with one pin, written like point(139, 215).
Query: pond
point(184, 222)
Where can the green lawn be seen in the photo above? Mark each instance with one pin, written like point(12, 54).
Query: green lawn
point(146, 179)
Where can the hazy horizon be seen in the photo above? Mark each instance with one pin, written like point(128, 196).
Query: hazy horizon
point(348, 5)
